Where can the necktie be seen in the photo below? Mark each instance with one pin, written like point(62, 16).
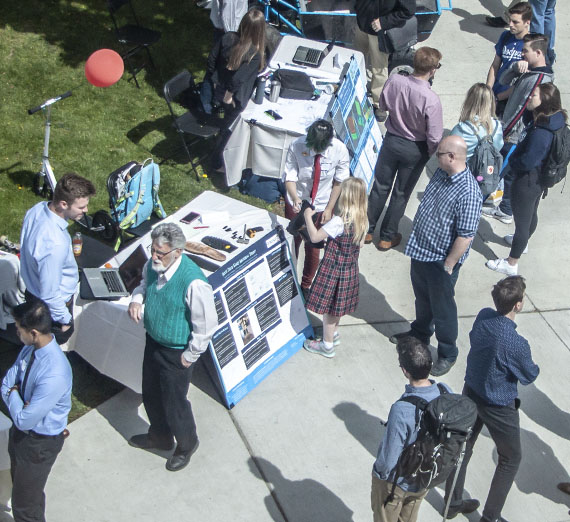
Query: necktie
point(27, 374)
point(316, 177)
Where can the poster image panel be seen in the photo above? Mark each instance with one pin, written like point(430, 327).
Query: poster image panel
point(262, 316)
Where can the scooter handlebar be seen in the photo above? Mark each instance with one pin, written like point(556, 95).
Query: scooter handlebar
point(49, 102)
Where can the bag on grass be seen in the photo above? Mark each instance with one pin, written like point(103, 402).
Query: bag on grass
point(444, 425)
point(486, 162)
point(133, 193)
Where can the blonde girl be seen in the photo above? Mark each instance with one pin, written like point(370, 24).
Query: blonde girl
point(334, 292)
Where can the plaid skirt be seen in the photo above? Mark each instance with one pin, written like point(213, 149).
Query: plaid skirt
point(335, 288)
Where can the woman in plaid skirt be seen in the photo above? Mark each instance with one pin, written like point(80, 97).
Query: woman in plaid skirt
point(334, 291)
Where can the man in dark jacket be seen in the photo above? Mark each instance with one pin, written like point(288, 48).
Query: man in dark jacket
point(371, 17)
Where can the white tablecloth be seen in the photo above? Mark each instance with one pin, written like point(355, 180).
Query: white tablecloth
point(107, 338)
point(262, 146)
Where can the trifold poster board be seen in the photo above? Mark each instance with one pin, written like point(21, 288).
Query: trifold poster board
point(353, 120)
point(261, 315)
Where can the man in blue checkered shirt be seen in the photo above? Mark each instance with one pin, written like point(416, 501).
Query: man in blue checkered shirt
point(444, 227)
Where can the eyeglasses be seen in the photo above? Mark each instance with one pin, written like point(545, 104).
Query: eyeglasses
point(159, 255)
point(439, 66)
point(438, 154)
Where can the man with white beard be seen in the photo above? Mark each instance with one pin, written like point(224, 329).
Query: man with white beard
point(179, 318)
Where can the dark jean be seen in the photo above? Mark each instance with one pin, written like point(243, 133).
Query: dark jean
point(525, 198)
point(436, 310)
point(503, 425)
point(165, 386)
point(401, 159)
point(31, 460)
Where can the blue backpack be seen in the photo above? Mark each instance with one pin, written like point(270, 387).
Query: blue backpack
point(133, 193)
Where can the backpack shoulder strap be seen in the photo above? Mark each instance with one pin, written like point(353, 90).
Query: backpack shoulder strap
point(442, 389)
point(475, 131)
point(495, 129)
point(416, 401)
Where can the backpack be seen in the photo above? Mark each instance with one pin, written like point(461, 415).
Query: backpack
point(486, 162)
point(295, 85)
point(133, 193)
point(556, 164)
point(444, 425)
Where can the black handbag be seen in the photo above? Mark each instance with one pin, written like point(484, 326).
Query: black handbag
point(295, 85)
point(399, 38)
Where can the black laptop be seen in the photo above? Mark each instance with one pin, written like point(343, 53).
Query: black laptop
point(311, 57)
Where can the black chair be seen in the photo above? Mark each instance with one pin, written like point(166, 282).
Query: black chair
point(133, 37)
point(182, 89)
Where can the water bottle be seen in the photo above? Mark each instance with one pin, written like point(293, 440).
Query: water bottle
point(259, 90)
point(275, 90)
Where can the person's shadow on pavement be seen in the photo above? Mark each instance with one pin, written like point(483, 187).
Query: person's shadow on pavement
point(302, 500)
point(542, 410)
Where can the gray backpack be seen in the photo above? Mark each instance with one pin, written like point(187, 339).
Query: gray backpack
point(486, 162)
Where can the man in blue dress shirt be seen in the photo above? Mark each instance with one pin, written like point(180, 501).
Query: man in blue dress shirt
point(48, 267)
point(444, 227)
point(37, 391)
point(499, 359)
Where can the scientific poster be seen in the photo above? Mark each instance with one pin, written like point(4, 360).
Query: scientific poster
point(261, 315)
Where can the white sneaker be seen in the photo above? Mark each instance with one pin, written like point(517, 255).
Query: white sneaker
point(497, 213)
point(502, 265)
point(318, 346)
point(509, 241)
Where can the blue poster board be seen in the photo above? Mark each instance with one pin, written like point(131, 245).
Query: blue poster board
point(262, 319)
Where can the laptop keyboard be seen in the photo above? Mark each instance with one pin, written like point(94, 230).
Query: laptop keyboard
point(112, 281)
point(313, 56)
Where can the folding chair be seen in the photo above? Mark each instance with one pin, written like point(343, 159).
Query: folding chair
point(133, 37)
point(183, 90)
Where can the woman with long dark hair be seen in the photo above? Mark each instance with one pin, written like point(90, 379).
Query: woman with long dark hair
point(233, 66)
point(544, 116)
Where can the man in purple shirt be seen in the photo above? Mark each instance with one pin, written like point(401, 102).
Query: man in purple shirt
point(414, 129)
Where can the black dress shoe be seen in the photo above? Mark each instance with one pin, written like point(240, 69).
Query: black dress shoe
point(145, 441)
point(467, 506)
point(441, 367)
point(496, 21)
point(180, 459)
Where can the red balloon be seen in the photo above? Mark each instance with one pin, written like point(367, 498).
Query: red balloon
point(104, 68)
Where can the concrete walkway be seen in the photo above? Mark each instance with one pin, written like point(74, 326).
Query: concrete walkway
point(300, 447)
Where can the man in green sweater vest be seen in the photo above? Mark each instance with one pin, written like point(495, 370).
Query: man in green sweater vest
point(180, 318)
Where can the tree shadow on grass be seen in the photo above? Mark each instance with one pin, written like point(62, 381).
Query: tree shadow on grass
point(78, 29)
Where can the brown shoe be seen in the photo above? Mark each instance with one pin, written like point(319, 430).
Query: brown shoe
point(565, 487)
point(387, 245)
point(368, 239)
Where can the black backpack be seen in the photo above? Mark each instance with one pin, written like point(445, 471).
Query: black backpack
point(486, 162)
point(444, 425)
point(556, 164)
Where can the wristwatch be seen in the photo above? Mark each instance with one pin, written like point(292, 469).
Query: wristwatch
point(448, 269)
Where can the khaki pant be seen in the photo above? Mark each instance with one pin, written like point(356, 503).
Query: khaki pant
point(376, 62)
point(403, 508)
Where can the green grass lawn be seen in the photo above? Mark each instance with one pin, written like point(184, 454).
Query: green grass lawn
point(43, 48)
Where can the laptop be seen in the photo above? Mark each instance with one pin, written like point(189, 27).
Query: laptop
point(113, 283)
point(311, 57)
